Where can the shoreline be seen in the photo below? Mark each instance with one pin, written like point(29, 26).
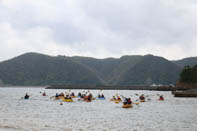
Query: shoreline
point(91, 87)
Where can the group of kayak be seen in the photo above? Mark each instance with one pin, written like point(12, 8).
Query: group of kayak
point(127, 103)
point(88, 97)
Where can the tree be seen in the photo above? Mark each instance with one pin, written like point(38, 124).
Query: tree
point(189, 74)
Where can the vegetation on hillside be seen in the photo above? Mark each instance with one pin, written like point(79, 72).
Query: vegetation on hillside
point(189, 74)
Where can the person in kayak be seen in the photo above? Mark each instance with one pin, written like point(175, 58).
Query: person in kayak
point(142, 97)
point(102, 96)
point(129, 101)
point(56, 95)
point(125, 101)
point(118, 98)
point(161, 98)
point(44, 94)
point(67, 97)
point(99, 96)
point(79, 94)
point(72, 94)
point(26, 96)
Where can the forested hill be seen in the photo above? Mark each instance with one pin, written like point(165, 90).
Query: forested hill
point(38, 69)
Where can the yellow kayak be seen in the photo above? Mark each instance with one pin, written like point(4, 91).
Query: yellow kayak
point(117, 101)
point(127, 106)
point(67, 100)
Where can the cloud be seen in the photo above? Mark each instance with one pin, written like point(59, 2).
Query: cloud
point(110, 28)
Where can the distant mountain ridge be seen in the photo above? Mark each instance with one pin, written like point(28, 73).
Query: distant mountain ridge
point(38, 69)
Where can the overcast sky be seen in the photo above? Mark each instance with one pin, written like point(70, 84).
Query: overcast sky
point(98, 28)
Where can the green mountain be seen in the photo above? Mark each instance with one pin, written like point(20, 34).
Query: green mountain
point(149, 70)
point(39, 69)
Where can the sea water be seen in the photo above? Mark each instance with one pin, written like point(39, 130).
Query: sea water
point(43, 113)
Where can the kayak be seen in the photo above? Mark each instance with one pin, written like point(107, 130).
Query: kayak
point(73, 96)
point(160, 99)
point(127, 106)
point(67, 100)
point(117, 101)
point(142, 100)
point(101, 98)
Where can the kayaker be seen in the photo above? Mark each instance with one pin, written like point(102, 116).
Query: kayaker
point(44, 94)
point(125, 101)
point(161, 98)
point(142, 97)
point(129, 101)
point(67, 97)
point(56, 95)
point(79, 94)
point(118, 98)
point(72, 94)
point(26, 96)
point(102, 96)
point(99, 96)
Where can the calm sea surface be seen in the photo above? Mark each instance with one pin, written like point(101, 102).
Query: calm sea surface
point(42, 113)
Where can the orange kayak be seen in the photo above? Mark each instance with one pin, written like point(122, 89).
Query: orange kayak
point(127, 106)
